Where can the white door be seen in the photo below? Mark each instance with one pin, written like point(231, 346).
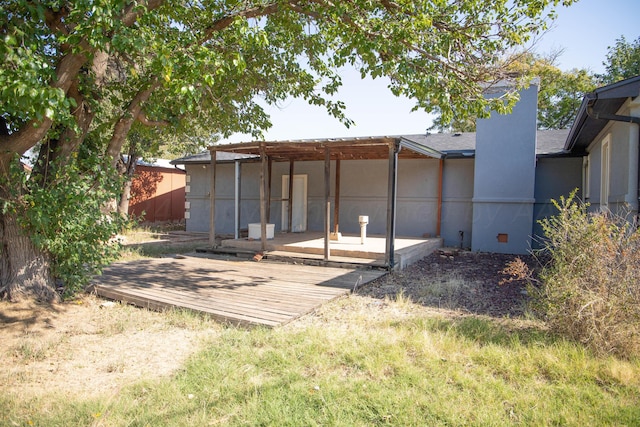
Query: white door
point(299, 211)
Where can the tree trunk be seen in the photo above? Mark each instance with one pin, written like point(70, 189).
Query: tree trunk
point(24, 270)
point(132, 161)
point(123, 206)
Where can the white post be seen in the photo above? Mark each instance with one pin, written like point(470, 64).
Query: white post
point(363, 220)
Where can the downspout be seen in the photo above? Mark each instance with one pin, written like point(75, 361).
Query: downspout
point(592, 98)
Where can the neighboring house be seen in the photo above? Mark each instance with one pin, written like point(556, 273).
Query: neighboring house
point(606, 133)
point(484, 191)
point(158, 192)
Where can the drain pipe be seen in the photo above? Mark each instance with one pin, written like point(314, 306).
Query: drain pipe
point(634, 151)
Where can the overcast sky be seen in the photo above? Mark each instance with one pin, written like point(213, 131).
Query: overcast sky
point(583, 30)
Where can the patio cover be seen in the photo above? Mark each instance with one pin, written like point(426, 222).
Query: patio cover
point(384, 147)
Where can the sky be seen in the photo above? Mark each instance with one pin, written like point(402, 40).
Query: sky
point(583, 31)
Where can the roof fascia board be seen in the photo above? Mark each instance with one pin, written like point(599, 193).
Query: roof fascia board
point(622, 89)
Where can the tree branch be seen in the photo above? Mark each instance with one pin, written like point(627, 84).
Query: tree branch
point(132, 12)
point(124, 123)
point(142, 118)
point(226, 21)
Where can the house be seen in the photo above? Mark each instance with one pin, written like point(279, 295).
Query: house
point(484, 190)
point(157, 192)
point(605, 134)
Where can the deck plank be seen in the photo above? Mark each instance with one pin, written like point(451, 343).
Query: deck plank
point(238, 292)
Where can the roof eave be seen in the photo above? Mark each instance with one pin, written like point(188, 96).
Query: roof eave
point(619, 90)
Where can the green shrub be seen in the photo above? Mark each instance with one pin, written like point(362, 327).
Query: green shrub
point(66, 219)
point(588, 288)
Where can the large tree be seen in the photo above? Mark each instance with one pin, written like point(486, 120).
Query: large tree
point(559, 97)
point(76, 76)
point(560, 93)
point(623, 61)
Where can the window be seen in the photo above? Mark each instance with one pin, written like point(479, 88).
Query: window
point(604, 173)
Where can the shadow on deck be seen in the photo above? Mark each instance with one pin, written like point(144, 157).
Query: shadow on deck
point(237, 292)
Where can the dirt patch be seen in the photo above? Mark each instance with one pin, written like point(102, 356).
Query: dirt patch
point(90, 346)
point(467, 281)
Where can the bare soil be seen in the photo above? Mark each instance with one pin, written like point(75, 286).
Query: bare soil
point(467, 281)
point(90, 346)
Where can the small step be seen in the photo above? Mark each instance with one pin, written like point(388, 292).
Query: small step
point(318, 260)
point(238, 252)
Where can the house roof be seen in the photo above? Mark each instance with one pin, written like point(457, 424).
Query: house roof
point(438, 145)
point(604, 100)
point(549, 142)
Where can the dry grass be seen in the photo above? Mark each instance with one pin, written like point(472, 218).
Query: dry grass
point(356, 361)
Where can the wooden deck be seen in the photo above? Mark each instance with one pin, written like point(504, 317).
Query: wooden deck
point(238, 292)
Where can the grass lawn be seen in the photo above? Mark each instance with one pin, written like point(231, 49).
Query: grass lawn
point(365, 361)
point(357, 361)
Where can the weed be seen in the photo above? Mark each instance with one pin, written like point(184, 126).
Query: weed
point(30, 351)
point(589, 290)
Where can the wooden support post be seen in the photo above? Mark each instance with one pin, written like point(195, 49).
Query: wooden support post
point(263, 202)
point(439, 219)
point(212, 200)
point(237, 186)
point(391, 205)
point(290, 198)
point(336, 202)
point(268, 189)
point(327, 194)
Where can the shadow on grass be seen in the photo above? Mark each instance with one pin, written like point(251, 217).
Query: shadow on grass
point(490, 331)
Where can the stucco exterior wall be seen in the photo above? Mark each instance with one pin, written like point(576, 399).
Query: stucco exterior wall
point(363, 191)
point(555, 177)
point(619, 170)
point(457, 206)
point(623, 142)
point(197, 197)
point(315, 192)
point(504, 178)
